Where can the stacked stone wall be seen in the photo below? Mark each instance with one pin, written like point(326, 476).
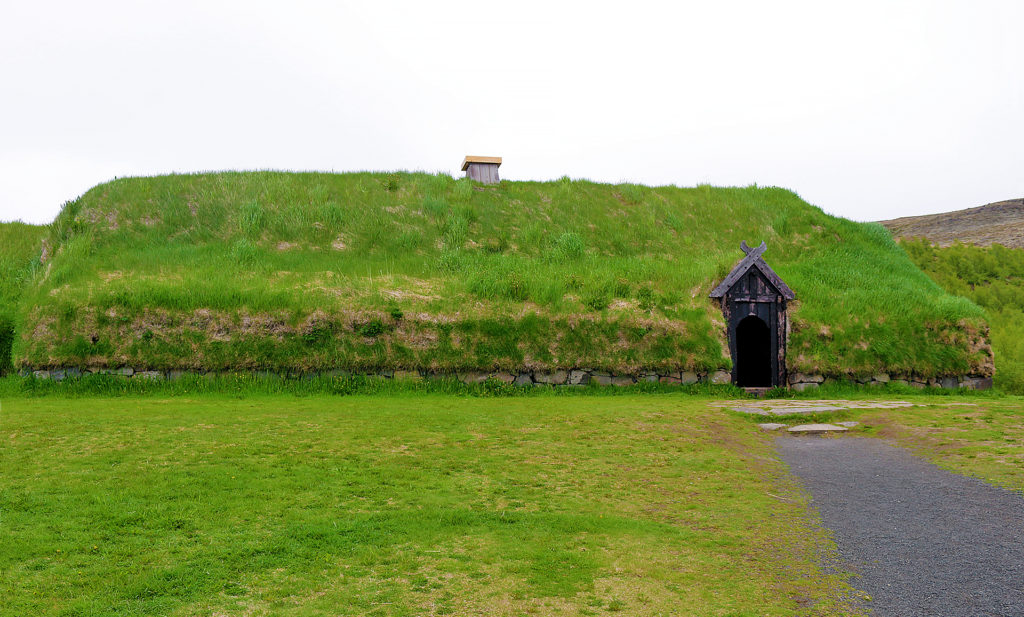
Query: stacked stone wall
point(809, 381)
point(567, 377)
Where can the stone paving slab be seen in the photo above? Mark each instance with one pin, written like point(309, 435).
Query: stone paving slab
point(816, 429)
point(784, 407)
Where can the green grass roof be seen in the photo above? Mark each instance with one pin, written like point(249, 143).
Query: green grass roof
point(20, 252)
point(311, 271)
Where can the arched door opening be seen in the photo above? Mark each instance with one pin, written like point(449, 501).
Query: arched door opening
point(753, 353)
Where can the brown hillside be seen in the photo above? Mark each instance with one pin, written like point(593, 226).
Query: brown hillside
point(1001, 222)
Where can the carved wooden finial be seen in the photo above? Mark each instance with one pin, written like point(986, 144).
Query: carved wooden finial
point(747, 250)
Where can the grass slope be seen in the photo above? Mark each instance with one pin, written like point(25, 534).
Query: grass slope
point(312, 271)
point(394, 506)
point(993, 277)
point(1001, 222)
point(20, 247)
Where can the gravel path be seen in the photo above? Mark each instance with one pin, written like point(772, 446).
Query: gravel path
point(923, 540)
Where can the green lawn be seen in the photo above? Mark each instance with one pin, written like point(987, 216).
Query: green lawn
point(400, 505)
point(985, 440)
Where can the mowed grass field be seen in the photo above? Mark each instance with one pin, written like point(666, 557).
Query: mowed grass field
point(984, 439)
point(400, 505)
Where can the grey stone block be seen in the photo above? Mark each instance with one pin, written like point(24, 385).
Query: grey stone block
point(688, 377)
point(524, 379)
point(126, 371)
point(601, 378)
point(554, 377)
point(800, 387)
point(806, 378)
point(623, 380)
point(579, 377)
point(720, 377)
point(977, 383)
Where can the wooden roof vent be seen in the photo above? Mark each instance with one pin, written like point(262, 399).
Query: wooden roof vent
point(483, 169)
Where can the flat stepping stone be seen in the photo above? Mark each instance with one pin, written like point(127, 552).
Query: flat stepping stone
point(770, 426)
point(805, 409)
point(816, 429)
point(786, 411)
point(752, 410)
point(807, 406)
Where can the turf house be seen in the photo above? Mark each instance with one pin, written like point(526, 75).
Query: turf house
point(425, 276)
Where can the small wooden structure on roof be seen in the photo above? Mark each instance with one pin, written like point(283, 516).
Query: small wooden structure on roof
point(754, 304)
point(483, 169)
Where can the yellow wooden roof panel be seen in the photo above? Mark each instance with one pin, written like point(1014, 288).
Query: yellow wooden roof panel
point(480, 159)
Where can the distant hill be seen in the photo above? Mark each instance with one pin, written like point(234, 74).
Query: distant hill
point(1001, 222)
point(305, 272)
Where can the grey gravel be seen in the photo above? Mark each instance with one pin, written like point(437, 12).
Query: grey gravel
point(923, 541)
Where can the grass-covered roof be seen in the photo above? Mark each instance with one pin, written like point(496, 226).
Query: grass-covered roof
point(307, 271)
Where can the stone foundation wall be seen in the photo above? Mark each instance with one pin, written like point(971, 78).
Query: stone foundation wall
point(569, 377)
point(804, 381)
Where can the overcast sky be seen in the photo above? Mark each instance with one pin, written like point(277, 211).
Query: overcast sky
point(869, 109)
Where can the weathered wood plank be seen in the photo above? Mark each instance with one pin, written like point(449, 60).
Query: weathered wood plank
point(485, 173)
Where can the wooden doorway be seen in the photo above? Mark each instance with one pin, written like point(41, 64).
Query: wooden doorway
point(754, 301)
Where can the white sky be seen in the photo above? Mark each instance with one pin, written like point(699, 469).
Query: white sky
point(869, 109)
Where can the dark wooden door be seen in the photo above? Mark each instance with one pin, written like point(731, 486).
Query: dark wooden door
point(756, 329)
